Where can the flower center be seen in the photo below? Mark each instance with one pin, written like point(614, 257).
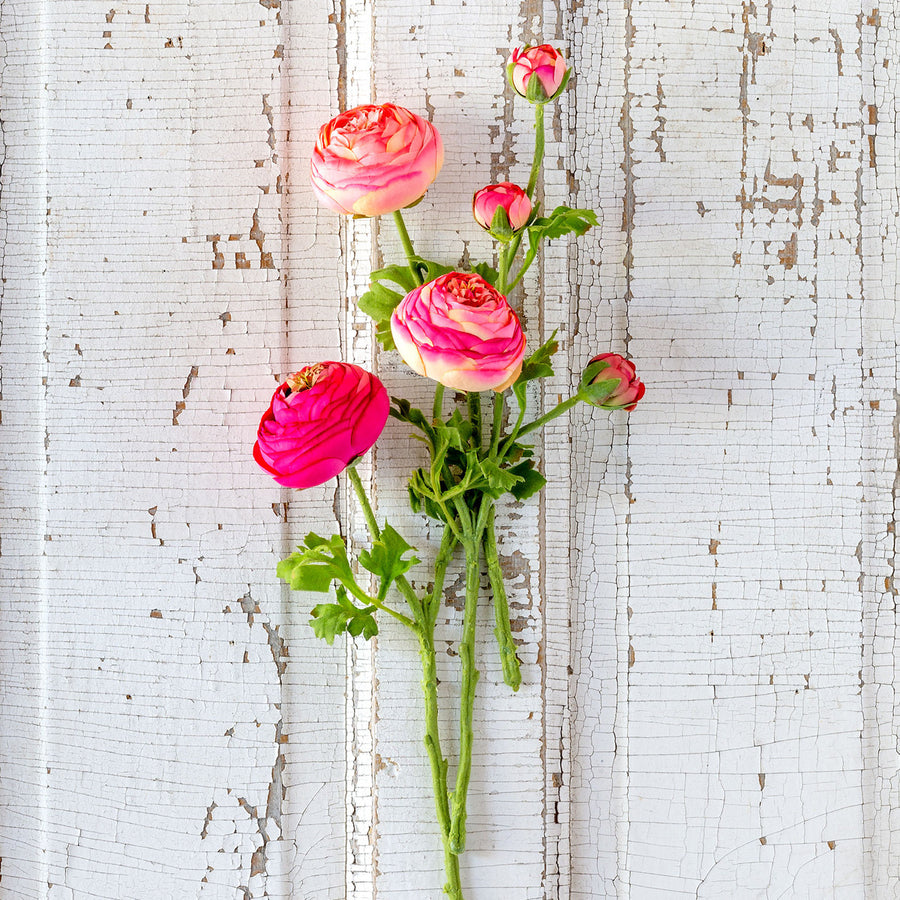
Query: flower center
point(305, 378)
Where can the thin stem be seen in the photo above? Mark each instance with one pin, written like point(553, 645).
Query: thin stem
point(502, 629)
point(557, 410)
point(444, 555)
point(424, 629)
point(503, 269)
point(496, 428)
point(437, 412)
point(453, 887)
point(407, 246)
point(403, 585)
point(458, 814)
point(474, 399)
point(526, 262)
point(538, 148)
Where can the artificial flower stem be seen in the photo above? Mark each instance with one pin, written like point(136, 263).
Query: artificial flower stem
point(557, 410)
point(526, 262)
point(497, 427)
point(509, 662)
point(403, 585)
point(538, 148)
point(453, 887)
point(437, 412)
point(472, 544)
point(407, 246)
point(503, 269)
point(474, 399)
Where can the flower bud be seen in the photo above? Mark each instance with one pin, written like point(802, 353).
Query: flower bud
point(538, 73)
point(502, 209)
point(610, 382)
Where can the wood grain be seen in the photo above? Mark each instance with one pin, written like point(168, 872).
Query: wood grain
point(703, 596)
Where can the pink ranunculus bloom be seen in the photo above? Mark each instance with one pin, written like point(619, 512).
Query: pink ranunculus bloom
point(511, 199)
point(373, 160)
point(461, 332)
point(319, 421)
point(537, 73)
point(623, 395)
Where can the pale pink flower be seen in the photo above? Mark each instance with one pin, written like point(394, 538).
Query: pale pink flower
point(460, 331)
point(373, 160)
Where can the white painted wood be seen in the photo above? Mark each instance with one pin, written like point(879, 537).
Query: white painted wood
point(704, 594)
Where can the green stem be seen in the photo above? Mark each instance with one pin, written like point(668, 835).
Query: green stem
point(437, 412)
point(557, 410)
point(424, 629)
point(472, 544)
point(502, 629)
point(403, 585)
point(503, 269)
point(453, 887)
point(474, 399)
point(526, 262)
point(538, 148)
point(407, 246)
point(496, 428)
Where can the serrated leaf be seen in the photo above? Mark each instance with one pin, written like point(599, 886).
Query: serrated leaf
point(538, 365)
point(315, 565)
point(497, 481)
point(531, 480)
point(379, 302)
point(488, 273)
point(563, 220)
point(386, 558)
point(400, 275)
point(406, 412)
point(331, 619)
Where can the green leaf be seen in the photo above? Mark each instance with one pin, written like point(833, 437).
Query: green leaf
point(531, 480)
point(398, 274)
point(331, 619)
point(406, 412)
point(538, 365)
point(563, 220)
point(489, 274)
point(379, 302)
point(386, 558)
point(315, 565)
point(497, 481)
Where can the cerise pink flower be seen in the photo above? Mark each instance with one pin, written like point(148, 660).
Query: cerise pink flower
point(502, 209)
point(319, 421)
point(537, 73)
point(610, 381)
point(373, 160)
point(461, 332)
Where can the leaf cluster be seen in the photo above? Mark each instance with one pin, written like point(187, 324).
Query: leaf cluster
point(322, 563)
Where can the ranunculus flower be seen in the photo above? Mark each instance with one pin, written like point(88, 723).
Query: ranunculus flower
point(610, 382)
point(319, 421)
point(461, 332)
point(373, 160)
point(502, 209)
point(538, 73)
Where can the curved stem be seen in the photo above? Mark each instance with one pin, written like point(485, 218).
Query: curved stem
point(538, 148)
point(557, 410)
point(509, 662)
point(407, 246)
point(467, 697)
point(424, 628)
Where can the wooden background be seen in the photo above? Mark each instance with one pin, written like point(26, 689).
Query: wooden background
point(703, 594)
